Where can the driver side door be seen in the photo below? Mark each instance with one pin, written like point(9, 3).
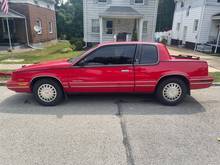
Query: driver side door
point(106, 69)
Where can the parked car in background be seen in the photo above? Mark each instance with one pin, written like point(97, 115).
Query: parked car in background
point(128, 67)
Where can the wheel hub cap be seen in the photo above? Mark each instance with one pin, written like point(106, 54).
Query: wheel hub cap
point(47, 93)
point(172, 92)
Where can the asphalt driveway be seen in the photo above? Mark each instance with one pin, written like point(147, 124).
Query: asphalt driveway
point(110, 130)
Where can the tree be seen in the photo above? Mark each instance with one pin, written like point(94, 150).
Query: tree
point(165, 15)
point(69, 19)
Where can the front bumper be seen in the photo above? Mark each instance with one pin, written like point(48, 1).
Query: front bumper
point(18, 86)
point(201, 82)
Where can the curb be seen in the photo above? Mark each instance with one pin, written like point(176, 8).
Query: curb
point(216, 84)
point(2, 83)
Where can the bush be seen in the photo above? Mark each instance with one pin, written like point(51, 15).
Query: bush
point(134, 36)
point(77, 43)
point(66, 50)
point(164, 41)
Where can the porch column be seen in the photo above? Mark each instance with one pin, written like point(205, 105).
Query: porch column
point(218, 39)
point(101, 29)
point(9, 33)
point(140, 29)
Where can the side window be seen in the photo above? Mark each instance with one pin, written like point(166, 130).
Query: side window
point(148, 54)
point(111, 55)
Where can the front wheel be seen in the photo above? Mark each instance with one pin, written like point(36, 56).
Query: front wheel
point(48, 92)
point(171, 91)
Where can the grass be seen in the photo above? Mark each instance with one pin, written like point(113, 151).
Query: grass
point(216, 76)
point(54, 52)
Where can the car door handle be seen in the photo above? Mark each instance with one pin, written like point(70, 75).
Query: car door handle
point(125, 71)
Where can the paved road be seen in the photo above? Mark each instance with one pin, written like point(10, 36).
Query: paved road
point(110, 130)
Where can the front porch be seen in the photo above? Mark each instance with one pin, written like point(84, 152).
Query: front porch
point(120, 24)
point(214, 37)
point(13, 30)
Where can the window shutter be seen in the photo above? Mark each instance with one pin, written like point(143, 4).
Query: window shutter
point(132, 2)
point(146, 2)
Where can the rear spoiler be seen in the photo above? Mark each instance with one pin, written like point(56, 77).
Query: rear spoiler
point(186, 57)
point(4, 74)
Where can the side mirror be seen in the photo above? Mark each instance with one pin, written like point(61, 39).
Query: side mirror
point(81, 63)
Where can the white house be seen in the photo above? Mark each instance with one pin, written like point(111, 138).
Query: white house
point(196, 22)
point(118, 20)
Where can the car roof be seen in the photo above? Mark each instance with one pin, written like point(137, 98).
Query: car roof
point(128, 43)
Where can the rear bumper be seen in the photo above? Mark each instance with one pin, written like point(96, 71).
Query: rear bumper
point(18, 86)
point(201, 82)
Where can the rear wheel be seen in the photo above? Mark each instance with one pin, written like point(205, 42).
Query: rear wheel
point(171, 91)
point(48, 92)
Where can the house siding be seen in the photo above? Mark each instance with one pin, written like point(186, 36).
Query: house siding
point(207, 28)
point(184, 20)
point(201, 10)
point(32, 13)
point(92, 10)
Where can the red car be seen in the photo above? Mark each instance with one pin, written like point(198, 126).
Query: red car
point(130, 67)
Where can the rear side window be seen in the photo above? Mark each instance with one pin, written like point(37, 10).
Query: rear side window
point(112, 55)
point(149, 54)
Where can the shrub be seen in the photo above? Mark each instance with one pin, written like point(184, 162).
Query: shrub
point(134, 36)
point(66, 50)
point(77, 43)
point(164, 41)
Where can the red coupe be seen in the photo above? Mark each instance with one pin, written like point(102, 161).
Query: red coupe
point(130, 67)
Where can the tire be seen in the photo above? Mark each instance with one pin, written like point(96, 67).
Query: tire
point(171, 91)
point(48, 92)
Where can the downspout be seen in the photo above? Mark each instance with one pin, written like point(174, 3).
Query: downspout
point(86, 43)
point(155, 19)
point(200, 24)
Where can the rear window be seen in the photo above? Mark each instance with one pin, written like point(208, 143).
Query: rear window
point(149, 54)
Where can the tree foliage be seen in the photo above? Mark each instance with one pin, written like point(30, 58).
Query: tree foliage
point(165, 15)
point(69, 19)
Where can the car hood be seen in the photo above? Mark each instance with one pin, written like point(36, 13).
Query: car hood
point(57, 64)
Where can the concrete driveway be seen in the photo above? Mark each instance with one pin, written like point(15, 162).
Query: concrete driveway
point(110, 130)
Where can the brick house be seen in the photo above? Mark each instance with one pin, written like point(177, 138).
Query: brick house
point(24, 16)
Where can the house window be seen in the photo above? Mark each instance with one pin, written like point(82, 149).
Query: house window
point(95, 25)
point(102, 1)
point(139, 1)
point(145, 27)
point(109, 27)
point(38, 26)
point(50, 27)
point(188, 11)
point(218, 1)
point(196, 24)
point(182, 4)
point(178, 27)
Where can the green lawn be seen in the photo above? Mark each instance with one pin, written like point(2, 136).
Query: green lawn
point(57, 51)
point(216, 76)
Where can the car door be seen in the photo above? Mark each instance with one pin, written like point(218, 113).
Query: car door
point(106, 69)
point(146, 68)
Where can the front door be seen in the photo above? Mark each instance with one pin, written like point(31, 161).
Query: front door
point(106, 69)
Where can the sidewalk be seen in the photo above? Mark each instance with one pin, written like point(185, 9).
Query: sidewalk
point(11, 66)
point(213, 61)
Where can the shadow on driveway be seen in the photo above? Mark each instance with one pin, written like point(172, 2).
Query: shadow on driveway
point(99, 104)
